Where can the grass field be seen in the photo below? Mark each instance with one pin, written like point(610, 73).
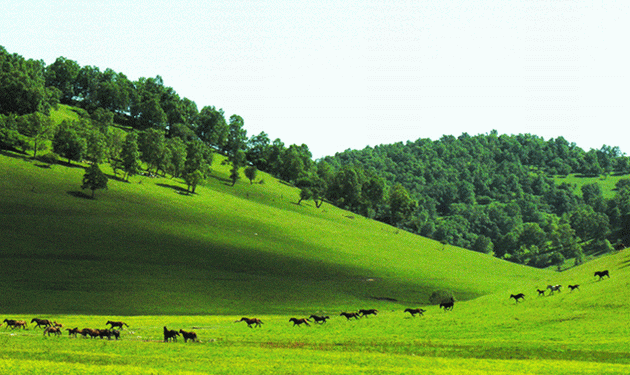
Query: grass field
point(146, 253)
point(580, 332)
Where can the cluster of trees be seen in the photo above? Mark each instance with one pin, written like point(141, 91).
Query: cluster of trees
point(497, 194)
point(489, 193)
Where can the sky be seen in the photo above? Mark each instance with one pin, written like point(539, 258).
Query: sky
point(338, 75)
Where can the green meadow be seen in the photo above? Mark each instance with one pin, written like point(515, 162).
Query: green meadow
point(147, 253)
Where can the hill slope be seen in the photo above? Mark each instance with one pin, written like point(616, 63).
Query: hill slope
point(145, 248)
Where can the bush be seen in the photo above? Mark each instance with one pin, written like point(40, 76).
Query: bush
point(440, 296)
point(49, 158)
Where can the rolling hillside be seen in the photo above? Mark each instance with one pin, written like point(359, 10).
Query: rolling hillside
point(144, 247)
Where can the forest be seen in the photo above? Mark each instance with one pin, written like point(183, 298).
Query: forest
point(491, 193)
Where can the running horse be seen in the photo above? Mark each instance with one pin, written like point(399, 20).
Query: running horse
point(253, 321)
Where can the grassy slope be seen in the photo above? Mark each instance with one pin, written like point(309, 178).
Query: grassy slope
point(144, 248)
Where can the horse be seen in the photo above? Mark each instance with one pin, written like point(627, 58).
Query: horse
point(105, 333)
point(116, 324)
point(42, 322)
point(188, 335)
point(89, 332)
point(115, 333)
point(413, 312)
point(53, 330)
point(368, 312)
point(541, 292)
point(170, 334)
point(15, 323)
point(349, 315)
point(447, 305)
point(73, 331)
point(554, 288)
point(601, 274)
point(574, 287)
point(319, 319)
point(255, 321)
point(298, 322)
point(517, 296)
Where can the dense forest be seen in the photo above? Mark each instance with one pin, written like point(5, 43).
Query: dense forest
point(489, 193)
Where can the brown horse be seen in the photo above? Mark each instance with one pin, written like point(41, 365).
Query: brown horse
point(170, 334)
point(517, 296)
point(319, 319)
point(413, 312)
point(188, 335)
point(53, 330)
point(601, 274)
point(350, 315)
point(368, 312)
point(42, 322)
point(298, 322)
point(116, 324)
point(574, 287)
point(255, 321)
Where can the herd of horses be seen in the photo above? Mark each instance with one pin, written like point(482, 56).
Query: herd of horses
point(54, 328)
point(558, 287)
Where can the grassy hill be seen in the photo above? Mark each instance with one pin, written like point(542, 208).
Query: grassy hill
point(144, 247)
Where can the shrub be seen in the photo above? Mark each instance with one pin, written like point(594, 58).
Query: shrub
point(440, 296)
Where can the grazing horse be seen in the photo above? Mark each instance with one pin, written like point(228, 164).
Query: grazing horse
point(255, 321)
point(574, 287)
point(349, 315)
point(44, 323)
point(299, 322)
point(601, 274)
point(517, 296)
point(53, 330)
point(447, 305)
point(541, 292)
point(554, 288)
point(170, 334)
point(413, 312)
point(319, 319)
point(368, 312)
point(188, 335)
point(73, 331)
point(116, 324)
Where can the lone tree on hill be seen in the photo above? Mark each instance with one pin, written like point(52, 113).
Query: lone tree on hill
point(94, 179)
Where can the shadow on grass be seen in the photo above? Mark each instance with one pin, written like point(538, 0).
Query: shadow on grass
point(116, 178)
point(178, 189)
point(14, 154)
point(226, 180)
point(79, 194)
point(44, 166)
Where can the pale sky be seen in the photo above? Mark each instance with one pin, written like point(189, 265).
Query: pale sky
point(347, 74)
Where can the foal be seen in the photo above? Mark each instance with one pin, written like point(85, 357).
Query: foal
point(574, 287)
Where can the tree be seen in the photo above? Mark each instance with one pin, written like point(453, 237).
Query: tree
point(130, 155)
point(211, 127)
point(94, 179)
point(193, 179)
point(152, 146)
point(63, 74)
point(37, 127)
point(400, 204)
point(68, 144)
point(251, 172)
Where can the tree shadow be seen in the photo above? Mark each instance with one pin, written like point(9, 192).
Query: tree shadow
point(116, 178)
point(79, 194)
point(15, 154)
point(225, 180)
point(44, 166)
point(177, 189)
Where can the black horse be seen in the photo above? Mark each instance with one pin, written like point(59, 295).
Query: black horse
point(517, 297)
point(298, 322)
point(367, 312)
point(170, 334)
point(447, 305)
point(413, 312)
point(601, 274)
point(574, 287)
point(349, 315)
point(319, 319)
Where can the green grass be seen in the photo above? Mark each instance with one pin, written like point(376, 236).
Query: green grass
point(580, 332)
point(606, 183)
point(144, 248)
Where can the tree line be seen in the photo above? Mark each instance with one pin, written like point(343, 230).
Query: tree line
point(489, 193)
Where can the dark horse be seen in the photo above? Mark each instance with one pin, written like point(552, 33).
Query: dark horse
point(541, 292)
point(447, 305)
point(517, 297)
point(349, 315)
point(413, 312)
point(601, 274)
point(44, 323)
point(188, 335)
point(298, 322)
point(116, 324)
point(574, 287)
point(255, 321)
point(368, 312)
point(53, 330)
point(170, 334)
point(319, 319)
